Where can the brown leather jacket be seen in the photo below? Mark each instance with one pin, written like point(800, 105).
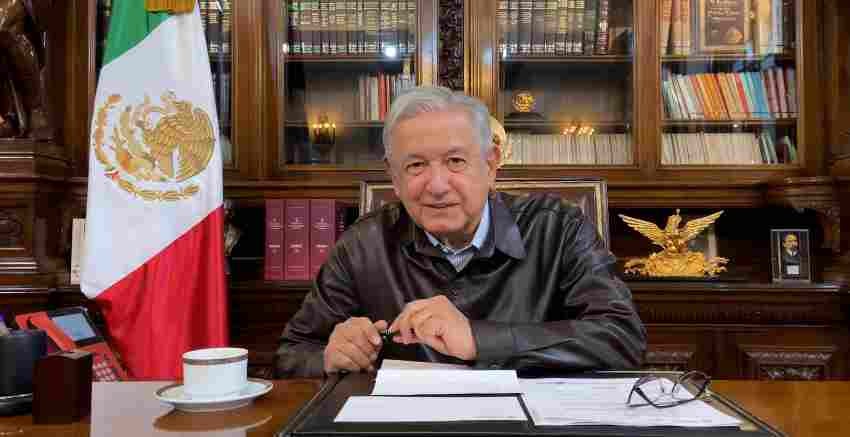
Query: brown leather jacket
point(541, 292)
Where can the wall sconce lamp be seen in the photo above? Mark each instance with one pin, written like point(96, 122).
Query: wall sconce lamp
point(324, 132)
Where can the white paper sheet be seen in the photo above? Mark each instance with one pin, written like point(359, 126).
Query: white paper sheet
point(429, 409)
point(420, 365)
point(445, 382)
point(602, 401)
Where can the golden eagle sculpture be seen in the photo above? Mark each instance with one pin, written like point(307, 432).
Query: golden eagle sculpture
point(675, 259)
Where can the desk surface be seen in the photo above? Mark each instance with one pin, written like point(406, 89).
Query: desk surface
point(800, 409)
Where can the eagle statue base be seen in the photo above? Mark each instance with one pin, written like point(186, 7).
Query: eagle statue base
point(675, 260)
point(688, 264)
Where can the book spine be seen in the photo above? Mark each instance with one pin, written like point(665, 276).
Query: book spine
point(402, 28)
point(602, 28)
point(502, 26)
point(666, 15)
point(526, 8)
point(590, 17)
point(214, 26)
point(686, 26)
point(274, 253)
point(412, 26)
point(561, 32)
point(226, 26)
point(578, 34)
point(371, 13)
point(550, 23)
point(294, 40)
point(322, 232)
point(296, 233)
point(78, 238)
point(538, 27)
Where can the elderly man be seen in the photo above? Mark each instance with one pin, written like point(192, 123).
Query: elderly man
point(460, 273)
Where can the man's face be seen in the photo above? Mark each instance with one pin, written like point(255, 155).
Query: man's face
point(790, 243)
point(439, 173)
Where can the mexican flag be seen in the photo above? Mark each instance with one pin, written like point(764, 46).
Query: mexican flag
point(154, 255)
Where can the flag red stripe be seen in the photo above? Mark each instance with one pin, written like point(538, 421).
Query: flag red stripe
point(175, 302)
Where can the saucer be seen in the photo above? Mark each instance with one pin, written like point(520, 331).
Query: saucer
point(174, 395)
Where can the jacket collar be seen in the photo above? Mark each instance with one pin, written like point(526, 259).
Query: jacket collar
point(503, 235)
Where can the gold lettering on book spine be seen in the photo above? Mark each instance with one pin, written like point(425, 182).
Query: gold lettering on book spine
point(140, 155)
point(675, 259)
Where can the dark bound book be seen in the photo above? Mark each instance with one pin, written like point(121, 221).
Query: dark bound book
point(327, 221)
point(538, 27)
point(372, 17)
point(296, 236)
point(525, 13)
point(294, 20)
point(274, 240)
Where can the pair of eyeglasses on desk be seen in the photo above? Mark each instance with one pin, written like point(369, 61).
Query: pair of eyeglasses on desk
point(658, 392)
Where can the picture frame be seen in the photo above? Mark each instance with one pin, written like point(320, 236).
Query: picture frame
point(723, 27)
point(791, 259)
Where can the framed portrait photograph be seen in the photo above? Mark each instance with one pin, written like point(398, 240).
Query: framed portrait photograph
point(790, 255)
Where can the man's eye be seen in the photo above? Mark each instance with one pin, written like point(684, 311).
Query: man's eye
point(415, 168)
point(456, 164)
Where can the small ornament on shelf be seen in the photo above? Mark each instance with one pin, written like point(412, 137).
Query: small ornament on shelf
point(675, 260)
point(526, 106)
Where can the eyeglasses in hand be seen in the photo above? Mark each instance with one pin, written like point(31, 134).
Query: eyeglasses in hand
point(656, 390)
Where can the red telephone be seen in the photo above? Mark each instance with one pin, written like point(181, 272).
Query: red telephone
point(71, 328)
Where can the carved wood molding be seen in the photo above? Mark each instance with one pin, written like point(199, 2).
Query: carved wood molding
point(451, 44)
point(730, 312)
point(674, 357)
point(817, 194)
point(792, 363)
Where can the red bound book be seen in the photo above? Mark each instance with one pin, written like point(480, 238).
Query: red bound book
point(296, 234)
point(274, 240)
point(322, 232)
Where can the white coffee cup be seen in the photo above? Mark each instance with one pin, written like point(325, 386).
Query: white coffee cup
point(215, 372)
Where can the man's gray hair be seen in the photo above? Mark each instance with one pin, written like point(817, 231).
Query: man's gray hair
point(422, 99)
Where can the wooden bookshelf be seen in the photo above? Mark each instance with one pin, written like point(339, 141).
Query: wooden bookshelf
point(331, 59)
point(577, 59)
point(781, 122)
point(725, 58)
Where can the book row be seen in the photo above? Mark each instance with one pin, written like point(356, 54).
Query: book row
point(739, 148)
point(761, 27)
point(591, 149)
point(765, 94)
point(330, 27)
point(554, 27)
point(217, 20)
point(300, 234)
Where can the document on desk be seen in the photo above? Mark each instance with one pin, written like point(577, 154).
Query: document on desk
point(429, 409)
point(602, 401)
point(441, 381)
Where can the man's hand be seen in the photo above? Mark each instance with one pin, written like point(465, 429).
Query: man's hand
point(437, 323)
point(354, 345)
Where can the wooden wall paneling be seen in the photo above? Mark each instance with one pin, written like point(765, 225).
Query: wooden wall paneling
point(835, 61)
point(679, 348)
point(428, 48)
point(17, 299)
point(481, 60)
point(646, 87)
point(798, 353)
point(248, 87)
point(811, 118)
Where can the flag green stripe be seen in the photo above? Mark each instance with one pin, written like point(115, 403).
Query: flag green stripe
point(129, 25)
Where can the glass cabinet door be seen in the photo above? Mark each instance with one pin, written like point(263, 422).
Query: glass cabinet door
point(566, 80)
point(217, 18)
point(729, 83)
point(344, 62)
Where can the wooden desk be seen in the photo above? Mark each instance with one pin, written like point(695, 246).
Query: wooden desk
point(129, 409)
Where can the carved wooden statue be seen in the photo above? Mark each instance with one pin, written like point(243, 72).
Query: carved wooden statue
point(22, 57)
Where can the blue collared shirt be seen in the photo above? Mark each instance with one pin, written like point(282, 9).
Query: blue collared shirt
point(461, 257)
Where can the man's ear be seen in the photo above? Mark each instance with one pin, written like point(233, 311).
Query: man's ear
point(494, 159)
